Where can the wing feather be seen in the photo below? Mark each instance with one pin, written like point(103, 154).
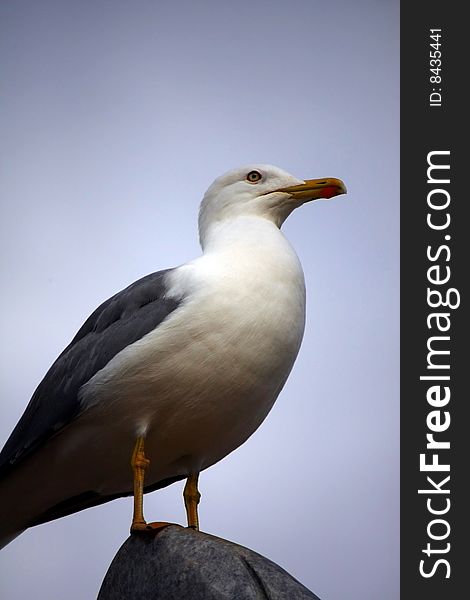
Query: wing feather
point(118, 322)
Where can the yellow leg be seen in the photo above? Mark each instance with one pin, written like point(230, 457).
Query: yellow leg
point(191, 497)
point(139, 463)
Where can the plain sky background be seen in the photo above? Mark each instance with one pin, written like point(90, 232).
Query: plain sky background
point(116, 115)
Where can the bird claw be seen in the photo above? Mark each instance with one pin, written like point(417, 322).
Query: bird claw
point(153, 527)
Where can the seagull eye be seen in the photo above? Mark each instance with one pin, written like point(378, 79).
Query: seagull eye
point(253, 176)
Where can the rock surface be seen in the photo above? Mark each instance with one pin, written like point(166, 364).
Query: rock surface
point(182, 564)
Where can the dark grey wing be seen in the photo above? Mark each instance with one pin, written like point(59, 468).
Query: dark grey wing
point(117, 323)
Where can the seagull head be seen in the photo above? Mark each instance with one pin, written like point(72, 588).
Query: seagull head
point(263, 191)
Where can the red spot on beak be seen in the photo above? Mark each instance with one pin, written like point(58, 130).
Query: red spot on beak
point(329, 192)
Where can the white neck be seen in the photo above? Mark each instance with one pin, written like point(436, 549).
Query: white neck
point(251, 230)
point(252, 248)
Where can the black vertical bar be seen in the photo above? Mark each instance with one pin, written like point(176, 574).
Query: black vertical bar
point(434, 260)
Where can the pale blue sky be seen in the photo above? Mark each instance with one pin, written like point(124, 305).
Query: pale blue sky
point(116, 116)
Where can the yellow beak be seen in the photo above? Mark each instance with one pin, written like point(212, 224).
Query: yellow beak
point(312, 189)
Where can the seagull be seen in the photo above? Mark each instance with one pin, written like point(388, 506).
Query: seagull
point(172, 373)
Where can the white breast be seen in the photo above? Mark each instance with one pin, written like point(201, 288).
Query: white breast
point(204, 380)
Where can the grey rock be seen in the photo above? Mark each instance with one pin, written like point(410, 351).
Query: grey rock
point(182, 564)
